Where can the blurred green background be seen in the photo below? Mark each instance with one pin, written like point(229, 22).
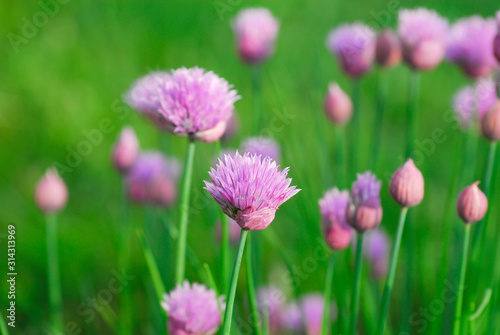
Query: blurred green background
point(66, 75)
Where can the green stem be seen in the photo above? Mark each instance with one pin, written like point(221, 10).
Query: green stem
point(152, 267)
point(354, 128)
point(226, 328)
point(125, 320)
point(184, 206)
point(213, 285)
point(257, 98)
point(392, 271)
point(328, 295)
point(3, 326)
point(54, 279)
point(357, 284)
point(379, 116)
point(252, 296)
point(488, 172)
point(463, 269)
point(412, 119)
point(224, 237)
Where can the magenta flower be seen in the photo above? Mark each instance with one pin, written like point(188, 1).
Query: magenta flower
point(152, 179)
point(192, 310)
point(333, 208)
point(249, 189)
point(256, 30)
point(465, 101)
point(378, 252)
point(365, 211)
point(354, 45)
point(263, 146)
point(51, 193)
point(125, 150)
point(470, 45)
point(271, 301)
point(423, 35)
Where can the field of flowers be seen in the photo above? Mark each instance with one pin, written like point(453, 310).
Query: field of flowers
point(247, 167)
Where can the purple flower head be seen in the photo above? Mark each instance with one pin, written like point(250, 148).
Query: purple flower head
point(466, 100)
point(271, 301)
point(470, 45)
point(256, 30)
point(354, 45)
point(378, 252)
point(152, 179)
point(365, 210)
point(312, 306)
point(249, 189)
point(263, 146)
point(192, 310)
point(423, 35)
point(333, 208)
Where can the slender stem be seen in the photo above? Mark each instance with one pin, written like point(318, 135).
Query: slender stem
point(257, 97)
point(354, 128)
point(152, 267)
point(3, 326)
point(412, 120)
point(328, 295)
point(184, 206)
point(392, 271)
point(357, 284)
point(463, 269)
point(379, 117)
point(125, 319)
point(226, 328)
point(340, 166)
point(54, 279)
point(252, 296)
point(224, 237)
point(488, 172)
point(213, 285)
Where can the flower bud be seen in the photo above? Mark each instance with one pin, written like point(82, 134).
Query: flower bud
point(388, 49)
point(407, 185)
point(125, 150)
point(337, 105)
point(51, 193)
point(365, 217)
point(490, 124)
point(472, 204)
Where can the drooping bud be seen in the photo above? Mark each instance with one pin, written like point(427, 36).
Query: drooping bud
point(490, 124)
point(472, 204)
point(125, 150)
point(51, 193)
point(337, 105)
point(407, 185)
point(388, 49)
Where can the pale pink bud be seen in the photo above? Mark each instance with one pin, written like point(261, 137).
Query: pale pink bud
point(51, 193)
point(365, 217)
point(388, 49)
point(212, 134)
point(407, 185)
point(125, 150)
point(338, 105)
point(490, 124)
point(472, 204)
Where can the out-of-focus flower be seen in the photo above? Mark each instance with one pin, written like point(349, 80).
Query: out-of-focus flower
point(354, 46)
point(388, 49)
point(467, 100)
point(291, 318)
point(365, 211)
point(337, 105)
point(312, 306)
point(263, 146)
point(51, 193)
point(470, 45)
point(423, 34)
point(234, 231)
point(490, 124)
point(333, 207)
point(232, 128)
point(377, 252)
point(256, 30)
point(192, 310)
point(271, 302)
point(249, 189)
point(407, 185)
point(472, 204)
point(152, 179)
point(125, 150)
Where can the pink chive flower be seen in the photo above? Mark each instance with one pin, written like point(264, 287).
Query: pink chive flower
point(337, 105)
point(407, 185)
point(234, 231)
point(496, 41)
point(472, 204)
point(423, 35)
point(354, 45)
point(51, 193)
point(470, 45)
point(271, 302)
point(249, 189)
point(263, 146)
point(365, 211)
point(465, 101)
point(125, 150)
point(377, 252)
point(333, 207)
point(388, 49)
point(192, 310)
point(152, 179)
point(256, 30)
